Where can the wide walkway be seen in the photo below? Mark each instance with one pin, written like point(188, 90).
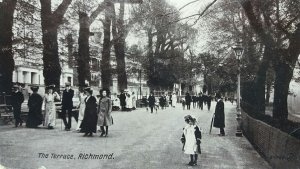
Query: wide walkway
point(137, 140)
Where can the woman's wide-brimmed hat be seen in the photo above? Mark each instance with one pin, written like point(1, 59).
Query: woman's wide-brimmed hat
point(50, 87)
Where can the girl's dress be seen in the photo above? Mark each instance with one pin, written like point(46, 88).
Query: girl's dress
point(191, 133)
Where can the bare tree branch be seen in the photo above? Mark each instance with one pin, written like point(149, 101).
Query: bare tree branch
point(95, 13)
point(61, 9)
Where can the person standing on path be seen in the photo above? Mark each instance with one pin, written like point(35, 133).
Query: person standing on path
point(174, 99)
point(17, 98)
point(209, 98)
point(219, 119)
point(89, 122)
point(188, 100)
point(133, 101)
point(151, 100)
point(104, 112)
point(67, 106)
point(35, 103)
point(50, 108)
point(123, 100)
point(81, 107)
point(191, 138)
point(200, 101)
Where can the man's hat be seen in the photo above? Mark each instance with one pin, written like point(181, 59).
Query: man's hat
point(88, 89)
point(34, 88)
point(68, 84)
point(16, 86)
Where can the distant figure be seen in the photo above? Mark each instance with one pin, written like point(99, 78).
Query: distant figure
point(50, 108)
point(17, 98)
point(219, 119)
point(194, 99)
point(183, 103)
point(89, 122)
point(133, 101)
point(162, 102)
point(209, 98)
point(104, 112)
point(174, 100)
point(188, 100)
point(151, 101)
point(200, 101)
point(35, 102)
point(123, 100)
point(128, 102)
point(81, 107)
point(67, 106)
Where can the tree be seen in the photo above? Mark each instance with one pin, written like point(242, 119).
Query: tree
point(281, 33)
point(106, 73)
point(7, 8)
point(85, 21)
point(119, 36)
point(50, 22)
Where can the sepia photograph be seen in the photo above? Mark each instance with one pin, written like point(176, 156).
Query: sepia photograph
point(149, 84)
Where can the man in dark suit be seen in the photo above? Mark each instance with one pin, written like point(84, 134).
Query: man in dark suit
point(67, 105)
point(200, 101)
point(123, 100)
point(17, 98)
point(219, 119)
point(188, 100)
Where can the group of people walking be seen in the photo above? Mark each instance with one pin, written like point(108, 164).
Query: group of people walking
point(90, 112)
point(196, 101)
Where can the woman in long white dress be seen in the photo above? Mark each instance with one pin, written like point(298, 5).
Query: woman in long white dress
point(81, 107)
point(50, 108)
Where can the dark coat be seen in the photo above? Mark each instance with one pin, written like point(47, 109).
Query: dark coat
point(151, 100)
point(123, 99)
point(188, 99)
point(67, 102)
point(200, 99)
point(17, 98)
point(219, 119)
point(89, 122)
point(195, 99)
point(35, 116)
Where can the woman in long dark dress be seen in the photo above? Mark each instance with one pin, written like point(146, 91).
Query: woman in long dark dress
point(35, 103)
point(89, 122)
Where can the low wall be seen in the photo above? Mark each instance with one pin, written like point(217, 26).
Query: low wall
point(279, 149)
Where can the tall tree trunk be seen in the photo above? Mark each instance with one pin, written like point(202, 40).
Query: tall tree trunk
point(260, 81)
point(7, 64)
point(83, 50)
point(106, 77)
point(50, 22)
point(118, 31)
point(268, 93)
point(151, 59)
point(70, 44)
point(284, 74)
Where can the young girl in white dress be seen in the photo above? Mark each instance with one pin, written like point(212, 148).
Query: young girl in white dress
point(191, 139)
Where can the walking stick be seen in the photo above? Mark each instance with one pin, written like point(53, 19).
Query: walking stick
point(211, 123)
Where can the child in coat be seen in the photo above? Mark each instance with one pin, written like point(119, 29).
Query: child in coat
point(191, 139)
